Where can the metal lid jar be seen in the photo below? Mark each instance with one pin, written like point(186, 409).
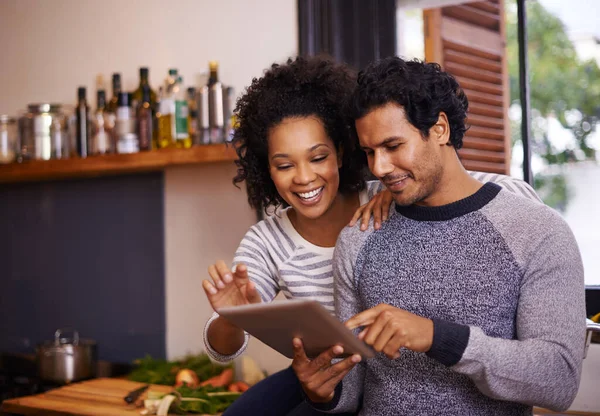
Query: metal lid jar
point(44, 132)
point(9, 137)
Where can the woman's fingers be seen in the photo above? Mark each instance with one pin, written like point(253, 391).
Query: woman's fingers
point(386, 204)
point(339, 370)
point(323, 360)
point(209, 288)
point(367, 212)
point(356, 215)
point(252, 294)
point(376, 211)
point(215, 276)
point(300, 358)
point(224, 272)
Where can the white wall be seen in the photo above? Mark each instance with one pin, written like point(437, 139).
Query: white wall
point(49, 48)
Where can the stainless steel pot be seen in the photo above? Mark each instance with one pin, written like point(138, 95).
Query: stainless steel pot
point(591, 327)
point(64, 359)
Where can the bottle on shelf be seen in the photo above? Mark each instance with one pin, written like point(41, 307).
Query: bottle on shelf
point(203, 116)
point(137, 94)
point(124, 123)
point(193, 116)
point(127, 140)
point(112, 105)
point(171, 79)
point(144, 120)
point(156, 118)
point(101, 136)
point(228, 117)
point(166, 114)
point(82, 124)
point(182, 136)
point(215, 104)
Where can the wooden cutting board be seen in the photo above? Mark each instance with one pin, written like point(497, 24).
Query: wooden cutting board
point(98, 397)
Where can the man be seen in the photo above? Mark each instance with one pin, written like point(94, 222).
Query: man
point(473, 296)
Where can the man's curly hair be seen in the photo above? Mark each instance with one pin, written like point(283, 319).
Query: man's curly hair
point(303, 87)
point(423, 89)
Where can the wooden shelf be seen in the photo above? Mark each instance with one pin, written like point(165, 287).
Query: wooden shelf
point(94, 166)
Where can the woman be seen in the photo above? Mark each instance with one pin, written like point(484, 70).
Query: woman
point(295, 151)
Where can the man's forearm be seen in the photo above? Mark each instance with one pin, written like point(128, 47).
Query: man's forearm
point(225, 338)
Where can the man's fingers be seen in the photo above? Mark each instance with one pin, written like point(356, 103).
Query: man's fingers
point(384, 338)
point(216, 277)
point(377, 327)
point(392, 349)
point(224, 272)
point(362, 319)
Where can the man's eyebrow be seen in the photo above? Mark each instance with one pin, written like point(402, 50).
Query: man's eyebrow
point(384, 142)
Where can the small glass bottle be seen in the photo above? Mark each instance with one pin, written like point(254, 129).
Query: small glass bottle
point(8, 139)
point(193, 116)
point(215, 104)
point(124, 122)
point(166, 123)
point(182, 135)
point(138, 93)
point(82, 124)
point(101, 135)
point(144, 120)
point(116, 90)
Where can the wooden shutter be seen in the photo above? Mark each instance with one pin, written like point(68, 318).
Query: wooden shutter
point(468, 41)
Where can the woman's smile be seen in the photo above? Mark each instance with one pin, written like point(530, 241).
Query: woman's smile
point(311, 197)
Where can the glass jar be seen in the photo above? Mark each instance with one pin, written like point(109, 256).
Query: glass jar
point(44, 132)
point(8, 139)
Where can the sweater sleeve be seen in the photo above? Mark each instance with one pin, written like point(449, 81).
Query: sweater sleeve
point(253, 252)
point(347, 304)
point(542, 366)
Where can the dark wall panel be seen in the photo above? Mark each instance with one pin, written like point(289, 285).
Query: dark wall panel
point(353, 31)
point(87, 254)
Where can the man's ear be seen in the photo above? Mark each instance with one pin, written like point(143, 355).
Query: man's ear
point(440, 131)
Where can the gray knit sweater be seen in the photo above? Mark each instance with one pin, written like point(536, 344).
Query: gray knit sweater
point(502, 279)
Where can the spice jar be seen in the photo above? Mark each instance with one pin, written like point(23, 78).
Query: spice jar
point(8, 139)
point(44, 132)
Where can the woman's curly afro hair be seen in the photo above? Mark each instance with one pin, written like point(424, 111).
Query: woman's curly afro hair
point(423, 89)
point(303, 87)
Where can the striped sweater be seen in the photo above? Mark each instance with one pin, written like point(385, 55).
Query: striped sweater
point(279, 259)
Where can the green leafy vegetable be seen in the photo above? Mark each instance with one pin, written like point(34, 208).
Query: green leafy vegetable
point(158, 371)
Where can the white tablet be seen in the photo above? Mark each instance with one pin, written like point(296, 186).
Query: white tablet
point(278, 322)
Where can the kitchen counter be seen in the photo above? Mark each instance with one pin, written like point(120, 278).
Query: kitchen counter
point(98, 397)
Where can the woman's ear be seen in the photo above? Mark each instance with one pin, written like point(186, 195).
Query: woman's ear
point(440, 132)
